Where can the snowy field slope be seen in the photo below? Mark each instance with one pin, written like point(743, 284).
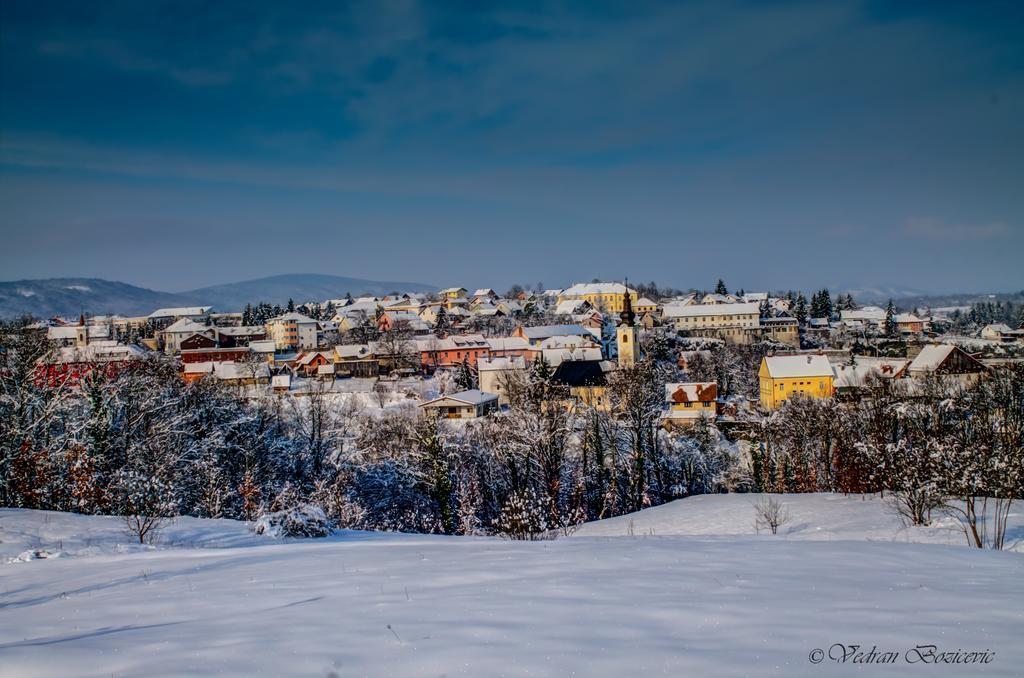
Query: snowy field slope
point(811, 516)
point(212, 598)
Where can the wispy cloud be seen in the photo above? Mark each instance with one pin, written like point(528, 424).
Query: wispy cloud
point(935, 229)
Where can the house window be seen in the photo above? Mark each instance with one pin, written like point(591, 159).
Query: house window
point(782, 387)
point(625, 339)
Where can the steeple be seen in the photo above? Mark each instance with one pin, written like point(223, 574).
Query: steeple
point(625, 333)
point(627, 316)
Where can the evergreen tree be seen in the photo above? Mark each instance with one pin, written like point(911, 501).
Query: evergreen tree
point(825, 300)
point(720, 288)
point(541, 373)
point(890, 320)
point(291, 305)
point(464, 378)
point(800, 308)
point(821, 305)
point(442, 323)
point(247, 315)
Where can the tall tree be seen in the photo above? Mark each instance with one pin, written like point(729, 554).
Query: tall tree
point(800, 308)
point(442, 323)
point(890, 320)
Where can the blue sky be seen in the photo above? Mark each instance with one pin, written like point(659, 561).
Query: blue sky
point(777, 145)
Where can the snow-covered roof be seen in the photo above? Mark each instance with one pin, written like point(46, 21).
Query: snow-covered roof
point(508, 344)
point(644, 301)
point(804, 365)
point(580, 289)
point(865, 368)
point(98, 352)
point(454, 342)
point(186, 326)
point(352, 351)
point(293, 317)
point(570, 306)
point(755, 296)
point(484, 292)
point(692, 391)
point(229, 370)
point(471, 397)
point(92, 331)
point(544, 331)
point(713, 298)
point(242, 330)
point(931, 357)
point(557, 356)
point(677, 310)
point(567, 341)
point(308, 357)
point(262, 346)
point(868, 313)
point(503, 363)
point(180, 311)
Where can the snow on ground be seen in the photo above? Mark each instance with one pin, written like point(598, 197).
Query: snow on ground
point(811, 516)
point(712, 599)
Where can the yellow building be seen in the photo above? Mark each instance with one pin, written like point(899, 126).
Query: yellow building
point(453, 293)
point(602, 296)
point(783, 377)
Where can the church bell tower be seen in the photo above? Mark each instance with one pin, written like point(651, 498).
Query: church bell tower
point(625, 333)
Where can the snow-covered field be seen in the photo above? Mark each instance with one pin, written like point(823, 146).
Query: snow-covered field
point(702, 595)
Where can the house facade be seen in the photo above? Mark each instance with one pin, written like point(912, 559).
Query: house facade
point(603, 295)
point(689, 401)
point(462, 405)
point(293, 331)
point(785, 377)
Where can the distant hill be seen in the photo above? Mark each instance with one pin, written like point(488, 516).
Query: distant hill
point(70, 296)
point(878, 295)
point(301, 287)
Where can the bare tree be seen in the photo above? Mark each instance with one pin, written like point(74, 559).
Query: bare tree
point(770, 514)
point(398, 346)
point(145, 502)
point(382, 392)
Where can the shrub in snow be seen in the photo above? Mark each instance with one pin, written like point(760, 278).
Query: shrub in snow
point(304, 520)
point(523, 517)
point(35, 554)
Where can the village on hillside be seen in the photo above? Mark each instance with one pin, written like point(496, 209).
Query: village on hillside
point(472, 343)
